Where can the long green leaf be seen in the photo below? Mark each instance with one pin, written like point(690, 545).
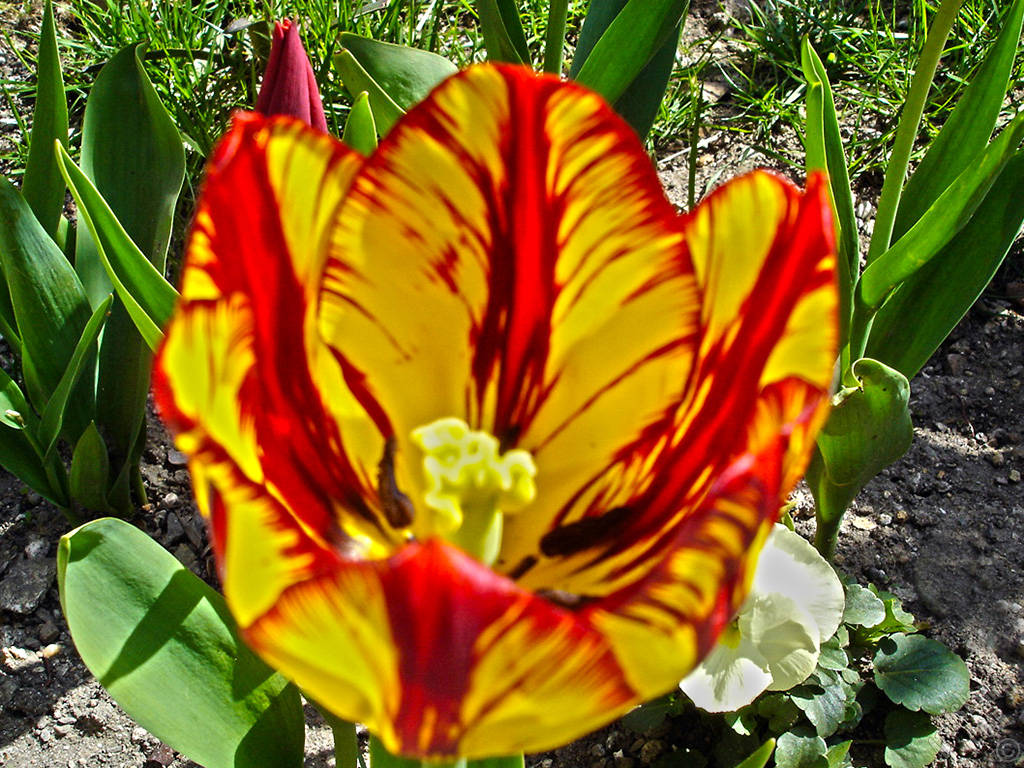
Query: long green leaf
point(357, 80)
point(406, 74)
point(947, 216)
point(912, 324)
point(502, 31)
point(968, 129)
point(360, 130)
point(825, 153)
point(134, 155)
point(147, 296)
point(49, 304)
point(639, 101)
point(43, 186)
point(90, 471)
point(637, 32)
point(165, 647)
point(20, 453)
point(53, 414)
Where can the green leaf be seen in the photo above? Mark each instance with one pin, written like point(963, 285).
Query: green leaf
point(912, 741)
point(360, 130)
point(49, 302)
point(626, 43)
point(357, 80)
point(759, 757)
point(836, 754)
point(921, 674)
point(20, 453)
point(147, 296)
point(825, 153)
point(918, 317)
point(967, 129)
point(43, 186)
point(90, 471)
point(651, 713)
point(134, 156)
point(56, 407)
point(502, 31)
point(164, 646)
point(825, 706)
point(868, 429)
point(779, 710)
point(947, 216)
point(832, 655)
point(896, 620)
point(863, 608)
point(406, 74)
point(801, 748)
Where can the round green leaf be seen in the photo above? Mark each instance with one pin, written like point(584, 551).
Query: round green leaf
point(801, 748)
point(920, 673)
point(863, 607)
point(165, 647)
point(911, 739)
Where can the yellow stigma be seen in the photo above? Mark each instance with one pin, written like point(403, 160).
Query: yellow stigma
point(470, 486)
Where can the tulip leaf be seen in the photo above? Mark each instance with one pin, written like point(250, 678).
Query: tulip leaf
point(947, 216)
point(921, 674)
point(53, 414)
point(164, 646)
point(916, 319)
point(868, 429)
point(357, 80)
point(43, 186)
point(19, 450)
point(825, 153)
point(502, 30)
point(639, 102)
point(406, 74)
point(626, 43)
point(133, 154)
point(968, 128)
point(912, 741)
point(360, 130)
point(759, 757)
point(90, 471)
point(147, 296)
point(49, 303)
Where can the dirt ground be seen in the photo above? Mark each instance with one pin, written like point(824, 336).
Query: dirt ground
point(942, 528)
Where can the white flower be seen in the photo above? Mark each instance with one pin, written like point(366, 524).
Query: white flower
point(796, 603)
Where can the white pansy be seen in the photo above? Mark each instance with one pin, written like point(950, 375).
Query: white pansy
point(795, 604)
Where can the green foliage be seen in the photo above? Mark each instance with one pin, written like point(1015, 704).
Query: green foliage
point(921, 674)
point(155, 635)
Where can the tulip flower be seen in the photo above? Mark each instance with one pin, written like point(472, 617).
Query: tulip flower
point(489, 436)
point(289, 85)
point(795, 604)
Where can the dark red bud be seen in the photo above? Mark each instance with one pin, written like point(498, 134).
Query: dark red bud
point(289, 86)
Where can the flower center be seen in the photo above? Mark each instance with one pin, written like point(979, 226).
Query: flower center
point(470, 486)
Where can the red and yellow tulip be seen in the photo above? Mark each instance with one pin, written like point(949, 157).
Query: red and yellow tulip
point(487, 434)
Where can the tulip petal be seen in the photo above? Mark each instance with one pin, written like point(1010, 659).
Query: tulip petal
point(764, 261)
point(255, 398)
point(507, 256)
point(440, 656)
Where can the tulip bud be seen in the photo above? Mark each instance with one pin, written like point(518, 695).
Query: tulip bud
point(289, 86)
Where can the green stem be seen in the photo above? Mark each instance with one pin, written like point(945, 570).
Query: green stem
point(346, 744)
point(906, 133)
point(554, 41)
point(139, 485)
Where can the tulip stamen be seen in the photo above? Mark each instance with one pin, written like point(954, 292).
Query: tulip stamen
point(470, 485)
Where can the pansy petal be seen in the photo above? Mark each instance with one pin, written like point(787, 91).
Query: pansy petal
point(728, 678)
point(507, 257)
point(743, 392)
point(439, 656)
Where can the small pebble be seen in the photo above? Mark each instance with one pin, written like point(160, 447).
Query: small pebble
point(651, 751)
point(996, 459)
point(1014, 476)
point(176, 458)
point(48, 633)
point(884, 519)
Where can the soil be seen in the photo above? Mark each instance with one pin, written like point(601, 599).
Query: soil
point(942, 528)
